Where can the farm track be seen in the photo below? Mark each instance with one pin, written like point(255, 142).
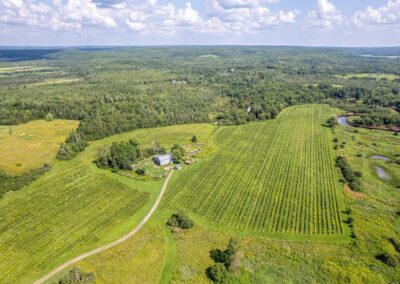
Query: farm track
point(113, 244)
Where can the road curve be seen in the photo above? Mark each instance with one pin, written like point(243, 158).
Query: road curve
point(115, 243)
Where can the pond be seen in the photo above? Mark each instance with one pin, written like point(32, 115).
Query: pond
point(382, 158)
point(382, 174)
point(343, 120)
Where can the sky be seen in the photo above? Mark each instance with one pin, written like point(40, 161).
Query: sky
point(202, 22)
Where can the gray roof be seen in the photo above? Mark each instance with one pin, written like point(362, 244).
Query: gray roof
point(163, 156)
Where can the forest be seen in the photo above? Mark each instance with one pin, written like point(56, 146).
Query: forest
point(121, 89)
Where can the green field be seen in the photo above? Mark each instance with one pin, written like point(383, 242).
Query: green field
point(388, 77)
point(76, 207)
point(277, 176)
point(30, 145)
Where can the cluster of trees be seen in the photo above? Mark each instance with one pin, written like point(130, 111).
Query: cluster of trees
point(351, 177)
point(219, 272)
point(331, 122)
point(377, 119)
point(14, 183)
point(77, 275)
point(177, 152)
point(121, 155)
point(180, 220)
point(74, 144)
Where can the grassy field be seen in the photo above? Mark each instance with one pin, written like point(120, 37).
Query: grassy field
point(277, 177)
point(76, 207)
point(388, 77)
point(55, 81)
point(30, 145)
point(22, 69)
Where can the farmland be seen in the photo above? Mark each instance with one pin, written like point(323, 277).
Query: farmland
point(76, 207)
point(276, 177)
point(30, 145)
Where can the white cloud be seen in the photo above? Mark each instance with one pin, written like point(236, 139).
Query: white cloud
point(234, 4)
point(387, 16)
point(145, 16)
point(325, 17)
point(246, 16)
point(74, 15)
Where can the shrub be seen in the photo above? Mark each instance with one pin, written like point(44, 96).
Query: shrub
point(395, 243)
point(177, 152)
point(76, 275)
point(180, 220)
point(141, 171)
point(194, 139)
point(358, 174)
point(331, 122)
point(217, 273)
point(351, 177)
point(49, 117)
point(388, 259)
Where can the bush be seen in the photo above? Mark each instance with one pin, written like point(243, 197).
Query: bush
point(141, 172)
point(217, 273)
point(331, 122)
point(351, 177)
point(180, 220)
point(388, 259)
point(76, 275)
point(395, 243)
point(177, 152)
point(49, 117)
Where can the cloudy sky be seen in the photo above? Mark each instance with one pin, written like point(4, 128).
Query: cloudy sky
point(205, 22)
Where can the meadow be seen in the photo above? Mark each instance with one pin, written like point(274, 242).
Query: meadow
point(30, 145)
point(276, 177)
point(376, 76)
point(76, 207)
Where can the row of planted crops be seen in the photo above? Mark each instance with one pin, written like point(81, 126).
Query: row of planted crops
point(276, 176)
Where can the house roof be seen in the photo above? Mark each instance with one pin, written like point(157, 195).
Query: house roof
point(163, 156)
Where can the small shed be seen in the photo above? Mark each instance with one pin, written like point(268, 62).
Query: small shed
point(163, 159)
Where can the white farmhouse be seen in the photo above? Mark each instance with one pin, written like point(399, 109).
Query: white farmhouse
point(163, 159)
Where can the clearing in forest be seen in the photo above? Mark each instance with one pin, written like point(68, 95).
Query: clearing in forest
point(277, 176)
point(27, 146)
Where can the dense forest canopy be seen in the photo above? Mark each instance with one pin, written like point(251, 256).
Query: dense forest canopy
point(111, 90)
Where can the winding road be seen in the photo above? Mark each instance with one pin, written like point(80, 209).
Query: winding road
point(115, 243)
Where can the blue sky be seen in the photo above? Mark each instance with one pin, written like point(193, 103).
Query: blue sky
point(208, 22)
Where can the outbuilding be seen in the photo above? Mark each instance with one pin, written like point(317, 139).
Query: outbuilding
point(163, 159)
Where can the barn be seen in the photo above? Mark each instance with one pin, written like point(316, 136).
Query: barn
point(163, 159)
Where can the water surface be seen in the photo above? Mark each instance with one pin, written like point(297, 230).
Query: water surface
point(382, 158)
point(382, 174)
point(343, 120)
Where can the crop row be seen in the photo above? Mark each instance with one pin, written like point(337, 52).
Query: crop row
point(277, 176)
point(60, 216)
